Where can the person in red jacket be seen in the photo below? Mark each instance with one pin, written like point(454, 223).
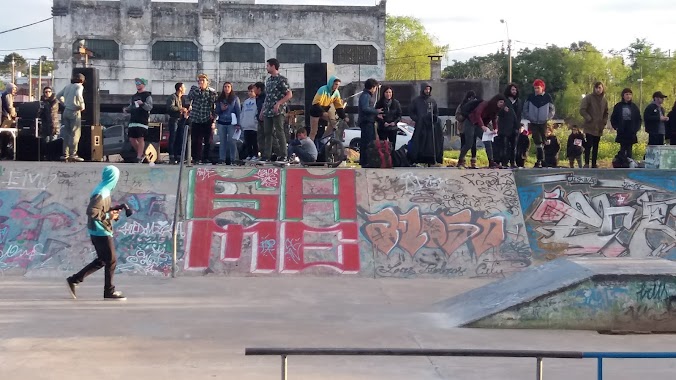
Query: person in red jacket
point(477, 123)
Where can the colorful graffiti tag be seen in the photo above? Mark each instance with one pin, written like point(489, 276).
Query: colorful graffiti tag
point(600, 213)
point(276, 221)
point(444, 224)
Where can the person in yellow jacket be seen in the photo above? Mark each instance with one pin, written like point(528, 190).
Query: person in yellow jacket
point(325, 97)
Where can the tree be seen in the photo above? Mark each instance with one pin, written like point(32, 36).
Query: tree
point(47, 66)
point(407, 46)
point(19, 63)
point(490, 66)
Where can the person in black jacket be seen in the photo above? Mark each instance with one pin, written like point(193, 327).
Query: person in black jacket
point(522, 146)
point(575, 146)
point(427, 143)
point(655, 119)
point(552, 148)
point(49, 114)
point(671, 126)
point(626, 120)
point(139, 107)
point(367, 118)
point(509, 120)
point(387, 121)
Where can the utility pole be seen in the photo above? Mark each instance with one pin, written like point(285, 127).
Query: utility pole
point(30, 81)
point(40, 75)
point(13, 70)
point(509, 51)
point(640, 94)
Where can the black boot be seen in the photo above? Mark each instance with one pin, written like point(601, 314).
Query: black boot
point(540, 156)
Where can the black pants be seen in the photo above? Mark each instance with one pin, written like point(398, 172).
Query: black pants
point(250, 148)
point(391, 136)
point(176, 129)
point(655, 139)
point(105, 257)
point(368, 135)
point(506, 147)
point(200, 141)
point(593, 148)
point(462, 143)
point(626, 149)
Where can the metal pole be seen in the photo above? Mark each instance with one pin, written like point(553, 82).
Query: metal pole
point(30, 82)
point(599, 369)
point(509, 52)
point(538, 373)
point(40, 75)
point(284, 365)
point(13, 70)
point(177, 205)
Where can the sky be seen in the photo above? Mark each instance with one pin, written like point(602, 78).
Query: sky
point(608, 24)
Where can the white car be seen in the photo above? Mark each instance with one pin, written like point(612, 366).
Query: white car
point(352, 136)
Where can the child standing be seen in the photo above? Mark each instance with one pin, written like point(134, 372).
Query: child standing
point(552, 148)
point(575, 147)
point(250, 126)
point(522, 146)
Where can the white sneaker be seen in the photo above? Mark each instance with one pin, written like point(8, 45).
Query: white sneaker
point(248, 158)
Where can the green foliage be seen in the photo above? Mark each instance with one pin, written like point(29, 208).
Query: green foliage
point(571, 72)
point(407, 46)
point(19, 63)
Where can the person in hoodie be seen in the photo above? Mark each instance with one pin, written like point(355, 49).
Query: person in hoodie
point(538, 110)
point(509, 120)
point(427, 142)
point(367, 118)
point(8, 116)
point(655, 119)
point(626, 120)
point(575, 146)
point(326, 96)
point(139, 107)
point(485, 114)
point(552, 149)
point(228, 104)
point(49, 114)
point(100, 220)
point(594, 110)
point(522, 146)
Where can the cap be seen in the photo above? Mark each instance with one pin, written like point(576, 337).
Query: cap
point(659, 94)
point(142, 81)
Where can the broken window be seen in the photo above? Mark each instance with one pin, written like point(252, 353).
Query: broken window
point(99, 49)
point(299, 53)
point(242, 52)
point(355, 55)
point(175, 51)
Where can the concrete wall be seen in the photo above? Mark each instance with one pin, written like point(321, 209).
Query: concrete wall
point(137, 24)
point(417, 223)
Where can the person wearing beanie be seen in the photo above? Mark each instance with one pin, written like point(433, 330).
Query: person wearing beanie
point(626, 120)
point(538, 110)
point(73, 101)
point(594, 110)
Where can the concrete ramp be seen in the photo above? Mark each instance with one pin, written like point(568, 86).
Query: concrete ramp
point(586, 294)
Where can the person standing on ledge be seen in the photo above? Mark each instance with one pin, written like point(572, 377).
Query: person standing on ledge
point(100, 220)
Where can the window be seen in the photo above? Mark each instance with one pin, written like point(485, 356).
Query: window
point(100, 49)
point(355, 55)
point(175, 51)
point(299, 53)
point(242, 52)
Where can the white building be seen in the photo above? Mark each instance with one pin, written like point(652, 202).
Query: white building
point(228, 40)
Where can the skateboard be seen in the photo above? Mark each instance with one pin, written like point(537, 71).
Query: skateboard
point(334, 164)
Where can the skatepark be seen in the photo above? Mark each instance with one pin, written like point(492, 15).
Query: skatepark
point(289, 258)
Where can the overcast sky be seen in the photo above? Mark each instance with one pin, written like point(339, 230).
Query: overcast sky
point(608, 24)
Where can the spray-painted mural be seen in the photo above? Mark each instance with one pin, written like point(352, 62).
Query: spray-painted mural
point(42, 218)
point(609, 213)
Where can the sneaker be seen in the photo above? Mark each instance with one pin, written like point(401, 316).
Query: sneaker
point(76, 159)
point(71, 287)
point(65, 158)
point(114, 296)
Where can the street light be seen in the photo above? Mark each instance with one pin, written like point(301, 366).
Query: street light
point(509, 49)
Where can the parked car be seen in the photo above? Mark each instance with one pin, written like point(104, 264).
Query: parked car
point(352, 136)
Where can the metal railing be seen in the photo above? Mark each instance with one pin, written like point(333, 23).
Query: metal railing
point(284, 353)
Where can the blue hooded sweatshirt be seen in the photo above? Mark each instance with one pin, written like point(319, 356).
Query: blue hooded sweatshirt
point(99, 222)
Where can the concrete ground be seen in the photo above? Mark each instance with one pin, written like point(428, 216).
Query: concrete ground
point(197, 328)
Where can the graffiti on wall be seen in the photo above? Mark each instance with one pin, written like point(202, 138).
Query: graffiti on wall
point(424, 224)
point(43, 220)
point(571, 214)
point(275, 221)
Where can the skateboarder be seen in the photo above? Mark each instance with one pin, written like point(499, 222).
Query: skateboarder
point(100, 220)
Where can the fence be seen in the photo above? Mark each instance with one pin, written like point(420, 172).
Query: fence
point(284, 353)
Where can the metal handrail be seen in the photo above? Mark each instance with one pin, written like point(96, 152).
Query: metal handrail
point(284, 353)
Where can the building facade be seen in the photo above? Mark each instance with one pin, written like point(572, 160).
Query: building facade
point(228, 40)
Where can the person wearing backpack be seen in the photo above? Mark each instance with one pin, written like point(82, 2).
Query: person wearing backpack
point(460, 117)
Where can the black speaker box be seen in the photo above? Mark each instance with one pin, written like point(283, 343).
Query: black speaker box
point(90, 147)
point(154, 132)
point(315, 76)
point(92, 112)
point(28, 110)
point(128, 153)
point(53, 150)
point(27, 147)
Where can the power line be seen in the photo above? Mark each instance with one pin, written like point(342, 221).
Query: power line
point(22, 49)
point(25, 26)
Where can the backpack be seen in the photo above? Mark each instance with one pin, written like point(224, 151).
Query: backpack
point(468, 108)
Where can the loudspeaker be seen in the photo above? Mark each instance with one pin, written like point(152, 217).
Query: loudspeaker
point(128, 153)
point(92, 112)
point(27, 147)
point(154, 132)
point(54, 150)
point(28, 110)
point(90, 147)
point(316, 75)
